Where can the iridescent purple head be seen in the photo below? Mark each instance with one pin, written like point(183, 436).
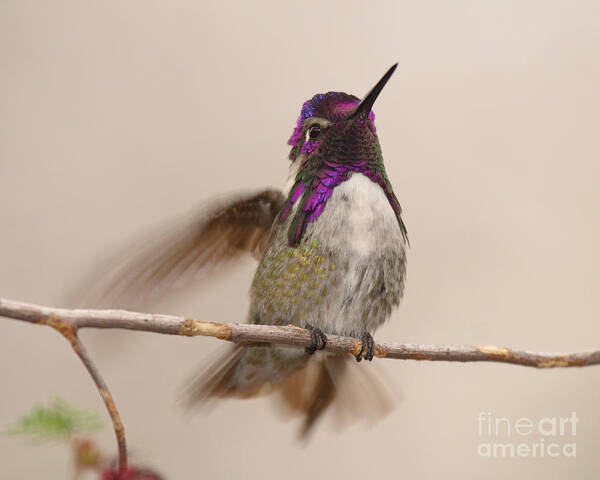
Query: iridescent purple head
point(349, 115)
point(330, 106)
point(335, 137)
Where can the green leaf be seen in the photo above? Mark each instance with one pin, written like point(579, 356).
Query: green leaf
point(56, 421)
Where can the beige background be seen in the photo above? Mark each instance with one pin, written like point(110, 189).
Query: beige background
point(118, 115)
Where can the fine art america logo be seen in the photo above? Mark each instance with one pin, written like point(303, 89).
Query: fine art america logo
point(546, 437)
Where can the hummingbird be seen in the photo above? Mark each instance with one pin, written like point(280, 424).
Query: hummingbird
point(331, 247)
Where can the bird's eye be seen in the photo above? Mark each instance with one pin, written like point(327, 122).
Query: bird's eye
point(314, 131)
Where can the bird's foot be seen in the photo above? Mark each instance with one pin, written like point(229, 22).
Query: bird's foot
point(367, 348)
point(318, 339)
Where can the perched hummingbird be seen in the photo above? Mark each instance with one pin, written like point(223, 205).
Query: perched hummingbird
point(331, 248)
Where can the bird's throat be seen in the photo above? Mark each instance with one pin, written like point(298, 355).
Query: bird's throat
point(312, 190)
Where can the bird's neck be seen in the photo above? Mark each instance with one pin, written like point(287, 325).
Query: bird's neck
point(313, 184)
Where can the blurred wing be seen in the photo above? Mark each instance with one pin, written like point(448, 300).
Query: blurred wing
point(224, 231)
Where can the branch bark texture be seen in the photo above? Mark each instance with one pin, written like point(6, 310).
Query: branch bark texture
point(68, 322)
point(62, 319)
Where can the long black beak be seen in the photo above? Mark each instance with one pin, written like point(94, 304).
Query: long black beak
point(364, 107)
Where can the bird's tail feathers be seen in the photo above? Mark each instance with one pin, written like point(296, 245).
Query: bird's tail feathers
point(353, 391)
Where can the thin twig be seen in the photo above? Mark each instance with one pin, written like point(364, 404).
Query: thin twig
point(68, 329)
point(108, 401)
point(68, 322)
point(288, 335)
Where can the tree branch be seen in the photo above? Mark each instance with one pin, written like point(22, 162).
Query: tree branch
point(108, 402)
point(68, 322)
point(68, 329)
point(60, 318)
